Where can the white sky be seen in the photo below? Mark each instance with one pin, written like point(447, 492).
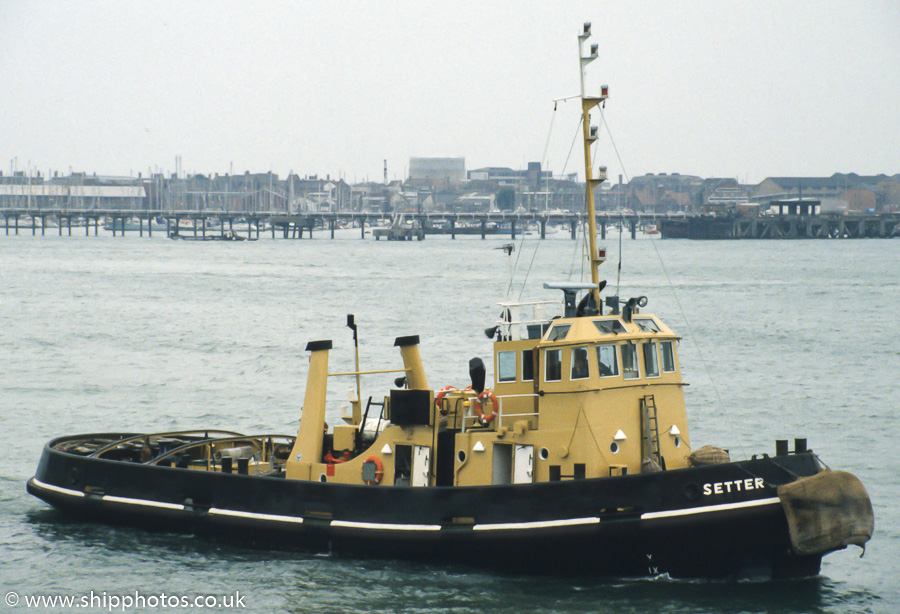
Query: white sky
point(711, 88)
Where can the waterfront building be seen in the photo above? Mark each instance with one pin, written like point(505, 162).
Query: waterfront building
point(77, 191)
point(440, 172)
point(840, 193)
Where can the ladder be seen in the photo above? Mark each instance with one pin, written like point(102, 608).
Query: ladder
point(651, 454)
point(362, 425)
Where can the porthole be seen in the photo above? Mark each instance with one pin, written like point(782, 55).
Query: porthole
point(614, 447)
point(691, 491)
point(543, 453)
point(677, 441)
point(322, 478)
point(461, 456)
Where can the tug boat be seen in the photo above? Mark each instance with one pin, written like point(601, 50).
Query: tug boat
point(577, 459)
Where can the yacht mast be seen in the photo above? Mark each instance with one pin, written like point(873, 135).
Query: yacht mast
point(590, 135)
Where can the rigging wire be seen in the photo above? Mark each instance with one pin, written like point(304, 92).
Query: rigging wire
point(572, 147)
point(577, 245)
point(522, 239)
point(515, 267)
point(662, 264)
point(619, 265)
point(549, 134)
point(627, 179)
point(537, 246)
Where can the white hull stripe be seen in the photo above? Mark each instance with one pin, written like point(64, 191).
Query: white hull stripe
point(711, 508)
point(419, 527)
point(144, 502)
point(384, 526)
point(542, 524)
point(51, 487)
point(254, 516)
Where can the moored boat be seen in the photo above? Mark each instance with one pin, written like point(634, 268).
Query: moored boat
point(577, 458)
point(219, 235)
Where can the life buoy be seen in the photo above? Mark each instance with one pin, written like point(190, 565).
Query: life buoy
point(440, 397)
point(482, 399)
point(379, 470)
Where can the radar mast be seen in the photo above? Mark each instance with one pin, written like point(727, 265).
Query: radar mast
point(590, 136)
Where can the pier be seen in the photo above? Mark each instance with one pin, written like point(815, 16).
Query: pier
point(827, 226)
point(199, 224)
point(301, 225)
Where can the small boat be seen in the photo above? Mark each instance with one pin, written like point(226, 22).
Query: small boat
point(36, 221)
point(243, 226)
point(222, 235)
point(576, 459)
point(399, 230)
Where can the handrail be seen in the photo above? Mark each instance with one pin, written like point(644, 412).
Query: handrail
point(500, 414)
point(202, 442)
point(370, 372)
point(120, 442)
point(513, 317)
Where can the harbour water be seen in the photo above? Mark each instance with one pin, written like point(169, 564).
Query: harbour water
point(780, 340)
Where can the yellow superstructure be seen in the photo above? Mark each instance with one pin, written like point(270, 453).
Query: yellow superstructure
point(577, 397)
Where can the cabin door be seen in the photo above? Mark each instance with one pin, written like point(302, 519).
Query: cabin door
point(523, 464)
point(502, 463)
point(421, 467)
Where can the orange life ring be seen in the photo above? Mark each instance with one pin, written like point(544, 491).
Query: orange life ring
point(482, 399)
point(379, 470)
point(440, 397)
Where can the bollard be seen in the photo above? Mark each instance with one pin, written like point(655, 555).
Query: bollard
point(781, 447)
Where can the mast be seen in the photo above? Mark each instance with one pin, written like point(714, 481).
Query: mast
point(590, 135)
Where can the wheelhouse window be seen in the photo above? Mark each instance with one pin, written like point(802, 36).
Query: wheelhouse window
point(506, 366)
point(553, 365)
point(527, 365)
point(610, 327)
point(606, 360)
point(580, 368)
point(668, 356)
point(558, 332)
point(648, 325)
point(651, 359)
point(630, 367)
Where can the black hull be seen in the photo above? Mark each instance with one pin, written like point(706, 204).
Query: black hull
point(636, 525)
